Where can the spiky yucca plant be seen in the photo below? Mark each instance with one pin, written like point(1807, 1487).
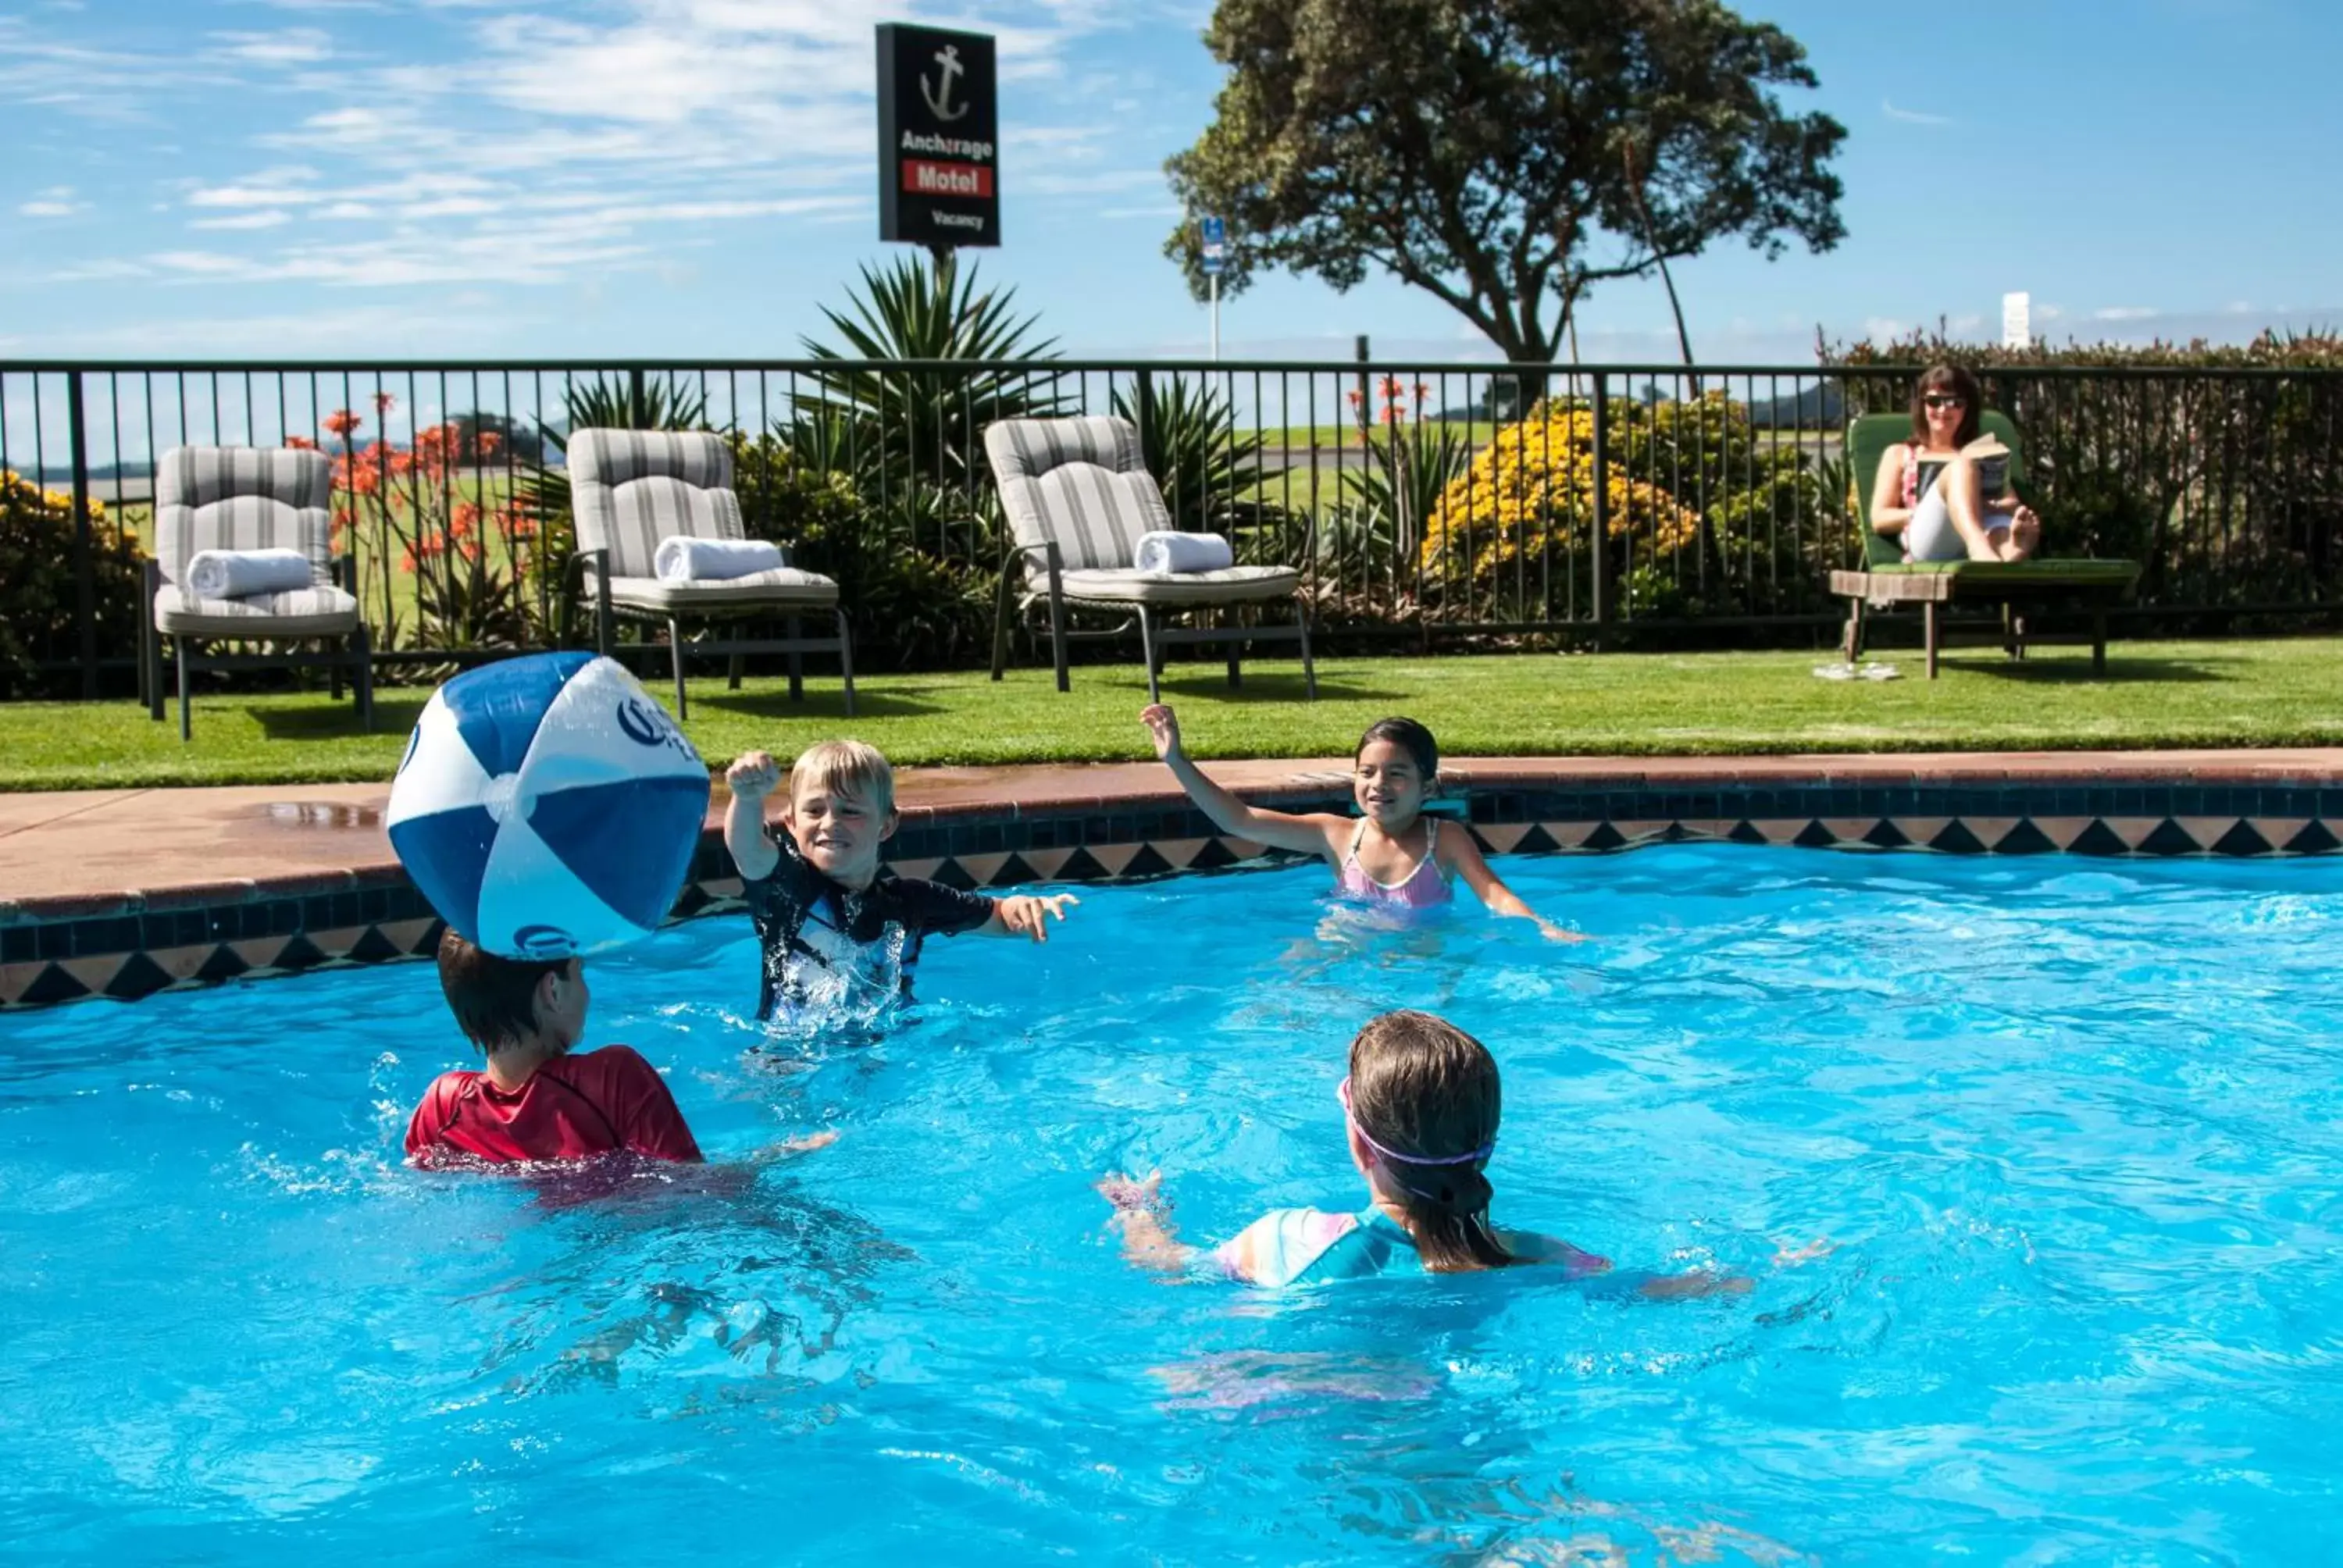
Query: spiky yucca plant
point(928, 426)
point(1210, 474)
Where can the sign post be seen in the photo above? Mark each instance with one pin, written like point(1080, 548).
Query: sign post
point(2017, 323)
point(938, 138)
point(1214, 236)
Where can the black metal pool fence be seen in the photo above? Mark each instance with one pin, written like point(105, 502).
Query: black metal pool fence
point(1422, 502)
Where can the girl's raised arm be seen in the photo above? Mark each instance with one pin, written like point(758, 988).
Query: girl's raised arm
point(1307, 835)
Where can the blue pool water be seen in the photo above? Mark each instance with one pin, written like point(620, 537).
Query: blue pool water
point(2072, 1126)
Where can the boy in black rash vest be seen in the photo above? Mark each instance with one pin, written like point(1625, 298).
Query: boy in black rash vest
point(830, 921)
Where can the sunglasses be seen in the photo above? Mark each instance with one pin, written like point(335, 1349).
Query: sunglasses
point(1946, 400)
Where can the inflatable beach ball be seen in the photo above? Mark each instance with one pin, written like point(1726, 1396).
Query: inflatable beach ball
point(547, 805)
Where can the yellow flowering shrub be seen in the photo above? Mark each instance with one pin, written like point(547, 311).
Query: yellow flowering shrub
point(1529, 493)
point(40, 601)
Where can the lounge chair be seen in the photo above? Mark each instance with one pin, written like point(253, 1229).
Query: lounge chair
point(1885, 579)
point(249, 499)
point(1079, 497)
point(629, 489)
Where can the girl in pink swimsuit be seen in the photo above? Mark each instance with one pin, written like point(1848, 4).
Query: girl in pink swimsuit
point(1391, 855)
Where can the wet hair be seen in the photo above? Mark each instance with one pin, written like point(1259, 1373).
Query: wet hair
point(1421, 1085)
point(493, 999)
point(1411, 738)
point(849, 767)
point(1961, 384)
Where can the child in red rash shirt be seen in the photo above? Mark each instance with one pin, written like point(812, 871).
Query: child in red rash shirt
point(535, 1101)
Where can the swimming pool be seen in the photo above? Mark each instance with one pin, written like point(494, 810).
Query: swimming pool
point(2071, 1125)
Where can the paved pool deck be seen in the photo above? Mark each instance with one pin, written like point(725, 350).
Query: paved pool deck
point(74, 850)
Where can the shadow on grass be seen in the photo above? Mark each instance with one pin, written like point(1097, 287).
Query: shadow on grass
point(818, 702)
point(395, 713)
point(1280, 688)
point(2077, 672)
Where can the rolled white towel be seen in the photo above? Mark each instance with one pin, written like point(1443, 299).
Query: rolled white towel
point(1164, 552)
point(684, 560)
point(238, 574)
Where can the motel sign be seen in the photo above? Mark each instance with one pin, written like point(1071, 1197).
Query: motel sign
point(939, 137)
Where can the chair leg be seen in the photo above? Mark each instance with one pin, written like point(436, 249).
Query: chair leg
point(1850, 640)
point(154, 675)
point(1928, 634)
point(797, 660)
point(1000, 625)
point(362, 642)
point(332, 673)
point(180, 651)
point(846, 660)
point(1147, 651)
point(1058, 635)
point(1231, 619)
point(1309, 669)
point(732, 672)
point(675, 650)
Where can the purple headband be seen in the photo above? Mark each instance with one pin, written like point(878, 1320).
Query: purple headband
point(1482, 1152)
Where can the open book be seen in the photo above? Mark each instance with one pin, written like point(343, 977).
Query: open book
point(1991, 457)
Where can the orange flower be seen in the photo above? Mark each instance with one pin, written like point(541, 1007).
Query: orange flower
point(341, 422)
point(384, 402)
point(301, 443)
point(466, 517)
point(486, 442)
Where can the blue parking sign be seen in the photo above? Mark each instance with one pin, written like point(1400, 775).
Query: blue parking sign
point(1215, 237)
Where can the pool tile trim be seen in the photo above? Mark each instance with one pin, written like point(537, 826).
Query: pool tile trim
point(130, 945)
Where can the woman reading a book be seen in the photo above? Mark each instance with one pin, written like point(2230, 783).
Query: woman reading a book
point(1946, 490)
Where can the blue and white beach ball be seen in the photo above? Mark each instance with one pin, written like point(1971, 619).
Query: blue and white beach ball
point(547, 805)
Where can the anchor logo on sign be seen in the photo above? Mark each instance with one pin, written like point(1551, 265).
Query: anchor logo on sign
point(939, 102)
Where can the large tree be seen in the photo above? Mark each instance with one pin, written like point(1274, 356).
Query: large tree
point(1504, 154)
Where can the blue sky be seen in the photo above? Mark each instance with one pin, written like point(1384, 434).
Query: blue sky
point(695, 177)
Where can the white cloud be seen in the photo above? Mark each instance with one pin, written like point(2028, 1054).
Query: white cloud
point(2125, 313)
point(1098, 182)
point(265, 217)
point(57, 201)
point(286, 46)
point(507, 143)
point(1913, 116)
point(470, 323)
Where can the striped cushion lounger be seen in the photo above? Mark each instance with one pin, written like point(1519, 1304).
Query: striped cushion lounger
point(249, 498)
point(632, 488)
point(1078, 497)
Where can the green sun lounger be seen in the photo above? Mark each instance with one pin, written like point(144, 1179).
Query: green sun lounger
point(1885, 579)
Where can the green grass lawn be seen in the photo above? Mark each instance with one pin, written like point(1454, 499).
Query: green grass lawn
point(2240, 693)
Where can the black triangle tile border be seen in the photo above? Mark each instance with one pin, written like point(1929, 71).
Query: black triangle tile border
point(2026, 838)
point(122, 955)
point(2169, 837)
point(2241, 840)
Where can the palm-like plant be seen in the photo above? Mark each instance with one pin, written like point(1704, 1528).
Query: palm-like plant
point(1406, 476)
point(1210, 474)
point(924, 423)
